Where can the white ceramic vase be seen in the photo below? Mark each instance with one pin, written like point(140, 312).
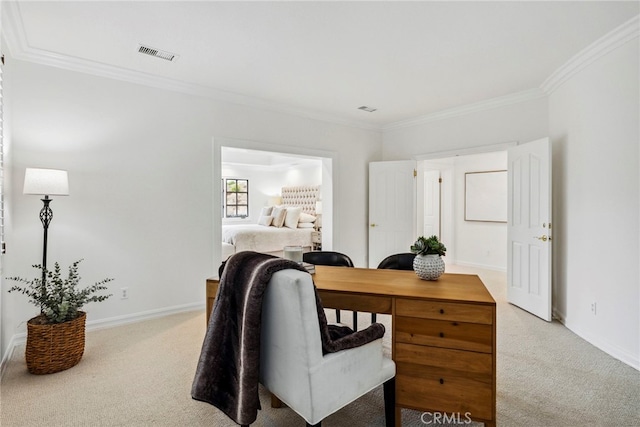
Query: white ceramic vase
point(428, 267)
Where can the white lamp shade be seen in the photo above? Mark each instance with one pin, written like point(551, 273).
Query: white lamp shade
point(48, 182)
point(319, 207)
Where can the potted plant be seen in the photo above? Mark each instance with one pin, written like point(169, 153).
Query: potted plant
point(55, 338)
point(428, 263)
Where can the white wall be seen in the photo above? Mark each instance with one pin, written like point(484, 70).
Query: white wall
point(310, 175)
point(594, 128)
point(140, 164)
point(525, 121)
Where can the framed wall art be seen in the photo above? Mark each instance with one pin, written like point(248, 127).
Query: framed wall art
point(485, 196)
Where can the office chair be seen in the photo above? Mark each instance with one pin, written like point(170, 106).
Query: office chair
point(403, 261)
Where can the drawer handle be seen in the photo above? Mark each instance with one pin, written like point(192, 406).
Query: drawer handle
point(441, 334)
point(441, 381)
point(442, 311)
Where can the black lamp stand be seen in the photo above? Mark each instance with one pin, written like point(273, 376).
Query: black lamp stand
point(46, 215)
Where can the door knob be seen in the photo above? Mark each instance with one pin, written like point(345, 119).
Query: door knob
point(544, 238)
point(374, 225)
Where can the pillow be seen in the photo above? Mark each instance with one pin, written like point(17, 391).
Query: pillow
point(305, 217)
point(305, 225)
point(291, 219)
point(266, 211)
point(265, 220)
point(278, 215)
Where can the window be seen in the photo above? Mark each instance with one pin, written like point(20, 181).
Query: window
point(235, 200)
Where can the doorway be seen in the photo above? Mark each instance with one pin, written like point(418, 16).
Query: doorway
point(441, 210)
point(255, 150)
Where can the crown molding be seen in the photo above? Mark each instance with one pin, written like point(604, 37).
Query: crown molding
point(12, 27)
point(607, 43)
point(13, 31)
point(514, 98)
point(103, 70)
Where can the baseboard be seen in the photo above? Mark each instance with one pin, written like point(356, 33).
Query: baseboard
point(612, 350)
point(111, 322)
point(142, 316)
point(8, 354)
point(555, 314)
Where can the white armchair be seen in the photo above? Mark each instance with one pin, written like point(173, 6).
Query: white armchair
point(292, 366)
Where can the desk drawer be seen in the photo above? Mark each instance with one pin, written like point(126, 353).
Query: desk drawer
point(444, 334)
point(365, 303)
point(460, 312)
point(442, 393)
point(440, 359)
point(444, 380)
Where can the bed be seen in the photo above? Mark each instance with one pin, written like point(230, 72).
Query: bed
point(292, 223)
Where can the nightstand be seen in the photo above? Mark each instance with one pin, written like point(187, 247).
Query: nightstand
point(316, 240)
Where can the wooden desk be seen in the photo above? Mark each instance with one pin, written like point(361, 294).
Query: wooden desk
point(443, 335)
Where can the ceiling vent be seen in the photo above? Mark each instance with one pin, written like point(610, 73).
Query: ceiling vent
point(157, 53)
point(367, 109)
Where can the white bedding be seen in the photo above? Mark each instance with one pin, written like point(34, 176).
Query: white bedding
point(254, 237)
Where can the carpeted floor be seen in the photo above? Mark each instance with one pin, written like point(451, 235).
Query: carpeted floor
point(140, 375)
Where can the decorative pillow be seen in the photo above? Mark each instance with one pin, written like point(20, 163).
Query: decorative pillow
point(265, 220)
point(266, 211)
point(305, 225)
point(305, 217)
point(278, 215)
point(291, 219)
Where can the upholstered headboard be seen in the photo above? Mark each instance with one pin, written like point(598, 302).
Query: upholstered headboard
point(304, 196)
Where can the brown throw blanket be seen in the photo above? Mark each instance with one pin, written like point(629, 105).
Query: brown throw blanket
point(228, 370)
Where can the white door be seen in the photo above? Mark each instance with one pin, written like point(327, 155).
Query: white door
point(392, 209)
point(529, 227)
point(432, 204)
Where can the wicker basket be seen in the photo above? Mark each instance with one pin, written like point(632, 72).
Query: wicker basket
point(54, 347)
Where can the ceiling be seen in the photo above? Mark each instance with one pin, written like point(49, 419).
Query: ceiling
point(323, 59)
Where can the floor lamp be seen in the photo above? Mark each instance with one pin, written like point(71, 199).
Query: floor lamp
point(46, 182)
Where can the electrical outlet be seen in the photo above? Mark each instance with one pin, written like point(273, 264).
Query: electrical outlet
point(124, 293)
point(593, 308)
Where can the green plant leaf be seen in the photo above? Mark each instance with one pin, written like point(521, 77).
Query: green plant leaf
point(428, 246)
point(59, 299)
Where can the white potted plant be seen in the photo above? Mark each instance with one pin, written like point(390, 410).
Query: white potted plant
point(428, 263)
point(56, 337)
